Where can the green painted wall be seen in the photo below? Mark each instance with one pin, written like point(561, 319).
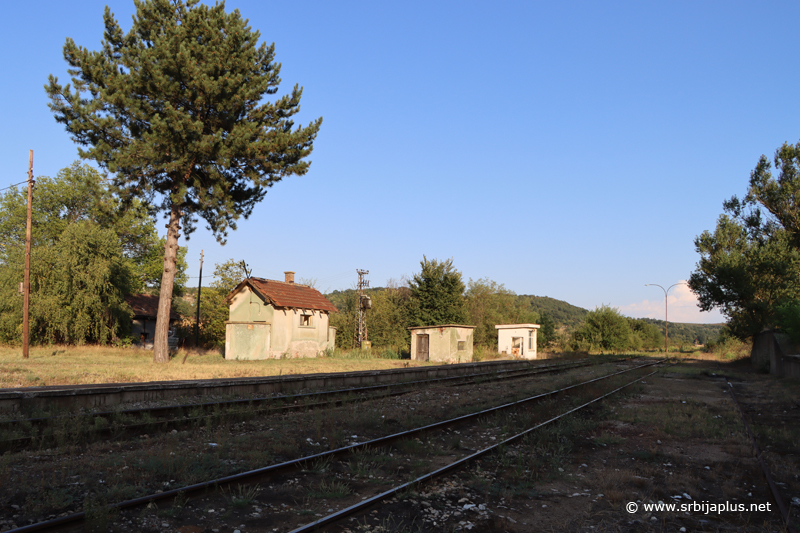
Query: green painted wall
point(247, 307)
point(247, 340)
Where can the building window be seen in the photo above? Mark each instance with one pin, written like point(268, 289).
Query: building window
point(462, 345)
point(305, 320)
point(530, 340)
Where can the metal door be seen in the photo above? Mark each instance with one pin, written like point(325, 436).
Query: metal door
point(422, 347)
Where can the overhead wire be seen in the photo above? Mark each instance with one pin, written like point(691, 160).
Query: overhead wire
point(14, 185)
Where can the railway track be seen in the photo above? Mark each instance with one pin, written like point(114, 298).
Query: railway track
point(18, 434)
point(379, 499)
point(413, 435)
point(784, 511)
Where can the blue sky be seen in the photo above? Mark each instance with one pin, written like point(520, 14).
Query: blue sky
point(563, 149)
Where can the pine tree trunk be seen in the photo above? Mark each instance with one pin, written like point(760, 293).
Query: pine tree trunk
point(160, 342)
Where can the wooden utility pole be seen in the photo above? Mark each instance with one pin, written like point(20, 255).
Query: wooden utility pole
point(197, 317)
point(26, 285)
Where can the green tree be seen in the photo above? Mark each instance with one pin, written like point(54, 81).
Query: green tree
point(745, 277)
point(436, 295)
point(489, 303)
point(547, 331)
point(228, 275)
point(78, 288)
point(214, 313)
point(750, 264)
point(778, 195)
point(605, 329)
point(176, 110)
point(344, 321)
point(78, 193)
point(214, 309)
point(385, 321)
point(77, 196)
point(788, 319)
point(644, 335)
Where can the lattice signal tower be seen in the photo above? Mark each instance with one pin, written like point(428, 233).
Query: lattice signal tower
point(364, 302)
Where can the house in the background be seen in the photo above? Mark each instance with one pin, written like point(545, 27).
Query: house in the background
point(273, 319)
point(518, 340)
point(450, 343)
point(145, 312)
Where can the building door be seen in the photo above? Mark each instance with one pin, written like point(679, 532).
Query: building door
point(422, 347)
point(516, 346)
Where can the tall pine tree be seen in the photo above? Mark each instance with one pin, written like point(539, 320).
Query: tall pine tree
point(175, 110)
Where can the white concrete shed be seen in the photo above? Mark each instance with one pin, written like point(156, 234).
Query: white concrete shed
point(518, 340)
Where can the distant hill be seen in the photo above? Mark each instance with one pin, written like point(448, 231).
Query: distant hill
point(562, 313)
point(681, 333)
point(571, 317)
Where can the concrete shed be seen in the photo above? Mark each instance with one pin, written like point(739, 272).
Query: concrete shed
point(270, 319)
point(518, 340)
point(451, 343)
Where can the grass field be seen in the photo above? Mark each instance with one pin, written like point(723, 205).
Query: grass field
point(60, 365)
point(66, 365)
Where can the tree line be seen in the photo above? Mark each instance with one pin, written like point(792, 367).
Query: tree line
point(437, 295)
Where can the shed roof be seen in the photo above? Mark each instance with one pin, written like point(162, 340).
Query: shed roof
point(146, 306)
point(287, 295)
point(517, 326)
point(442, 326)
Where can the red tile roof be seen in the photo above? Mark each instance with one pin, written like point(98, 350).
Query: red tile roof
point(289, 295)
point(146, 306)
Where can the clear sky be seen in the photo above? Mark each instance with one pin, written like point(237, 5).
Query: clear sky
point(563, 149)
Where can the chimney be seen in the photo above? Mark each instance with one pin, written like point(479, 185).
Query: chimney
point(289, 276)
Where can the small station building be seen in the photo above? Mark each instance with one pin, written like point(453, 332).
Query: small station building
point(271, 319)
point(518, 340)
point(143, 321)
point(451, 343)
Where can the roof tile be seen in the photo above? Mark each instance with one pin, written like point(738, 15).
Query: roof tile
point(292, 295)
point(146, 306)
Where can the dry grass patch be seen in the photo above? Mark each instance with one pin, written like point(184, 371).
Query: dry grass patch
point(68, 365)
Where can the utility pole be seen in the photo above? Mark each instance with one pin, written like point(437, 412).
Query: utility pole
point(363, 305)
point(26, 285)
point(197, 316)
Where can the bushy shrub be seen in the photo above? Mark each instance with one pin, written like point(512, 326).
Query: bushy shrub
point(603, 329)
point(788, 319)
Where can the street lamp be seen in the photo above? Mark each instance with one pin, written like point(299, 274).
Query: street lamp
point(666, 309)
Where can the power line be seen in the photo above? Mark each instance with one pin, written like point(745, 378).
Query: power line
point(20, 183)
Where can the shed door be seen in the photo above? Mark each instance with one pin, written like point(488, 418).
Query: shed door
point(516, 345)
point(422, 347)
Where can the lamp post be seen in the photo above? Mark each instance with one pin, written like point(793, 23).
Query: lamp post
point(666, 309)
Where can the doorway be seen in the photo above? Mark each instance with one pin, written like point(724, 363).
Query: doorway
point(422, 348)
